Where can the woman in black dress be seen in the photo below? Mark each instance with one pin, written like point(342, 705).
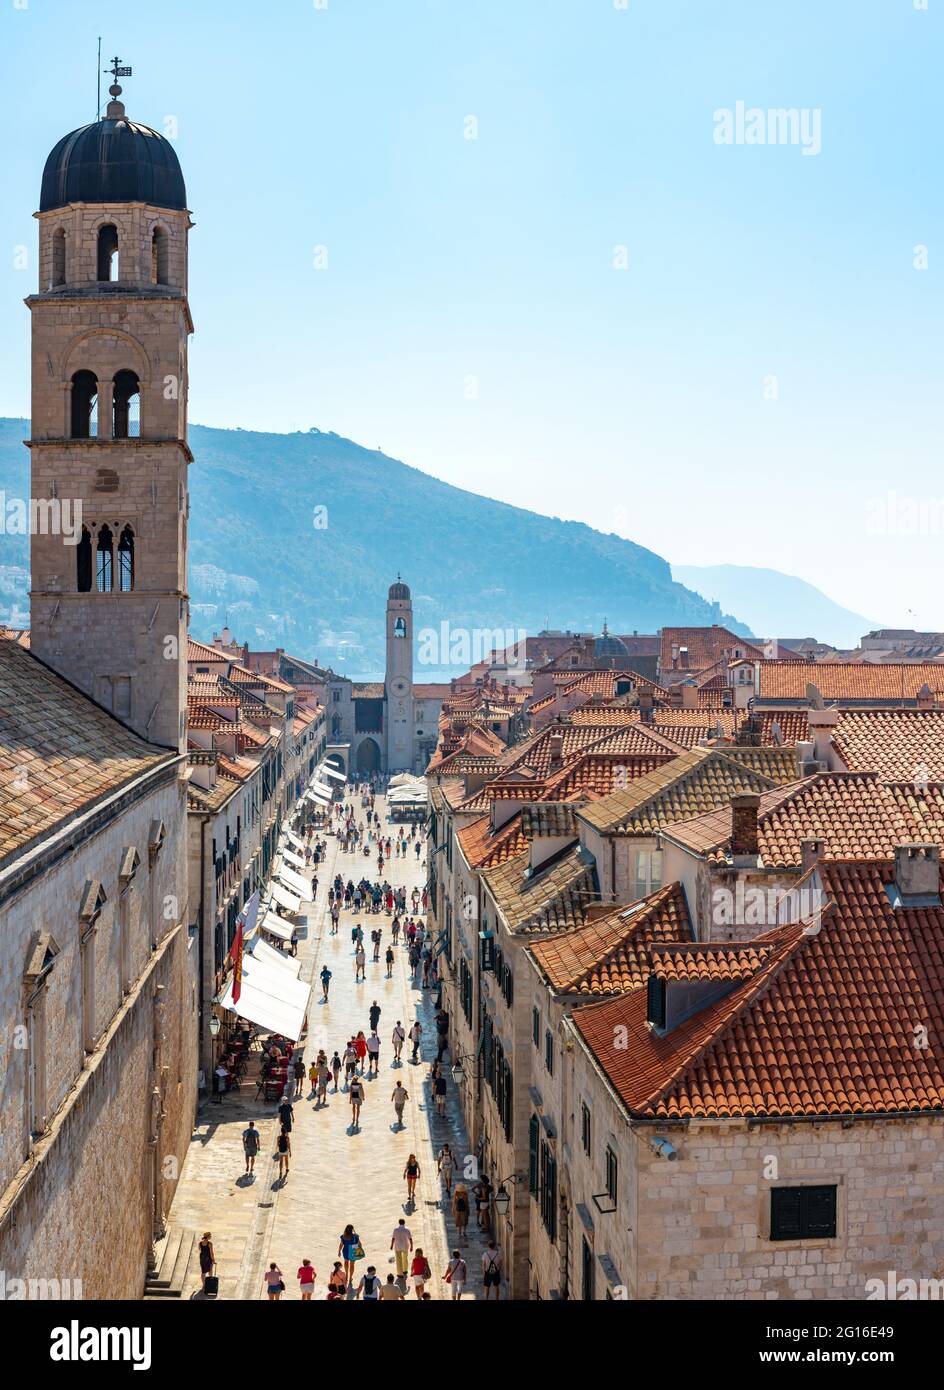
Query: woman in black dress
point(207, 1258)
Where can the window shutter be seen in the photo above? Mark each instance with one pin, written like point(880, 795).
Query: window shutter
point(655, 998)
point(533, 1129)
point(820, 1211)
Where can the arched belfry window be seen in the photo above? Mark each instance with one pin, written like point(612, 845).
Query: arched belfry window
point(59, 257)
point(84, 405)
point(83, 562)
point(126, 406)
point(160, 247)
point(105, 560)
point(399, 628)
point(126, 561)
point(108, 252)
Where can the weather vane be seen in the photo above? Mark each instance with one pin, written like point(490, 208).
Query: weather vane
point(117, 71)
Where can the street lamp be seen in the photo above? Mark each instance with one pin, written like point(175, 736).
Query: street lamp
point(457, 1070)
point(215, 1026)
point(503, 1196)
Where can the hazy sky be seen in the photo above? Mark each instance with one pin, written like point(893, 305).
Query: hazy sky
point(760, 385)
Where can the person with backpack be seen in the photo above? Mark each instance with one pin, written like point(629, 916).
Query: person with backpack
point(274, 1282)
point(420, 1272)
point(250, 1146)
point(492, 1269)
point(357, 1100)
point(350, 1249)
point(369, 1285)
point(457, 1272)
point(283, 1149)
point(325, 981)
point(375, 937)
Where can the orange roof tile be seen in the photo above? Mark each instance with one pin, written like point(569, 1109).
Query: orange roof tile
point(847, 682)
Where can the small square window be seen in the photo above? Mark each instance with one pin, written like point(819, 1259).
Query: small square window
point(803, 1213)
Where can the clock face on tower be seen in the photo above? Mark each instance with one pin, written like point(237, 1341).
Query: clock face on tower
point(398, 686)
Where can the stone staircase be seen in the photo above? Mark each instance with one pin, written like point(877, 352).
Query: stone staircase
point(167, 1281)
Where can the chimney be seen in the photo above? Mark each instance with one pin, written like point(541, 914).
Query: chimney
point(645, 703)
point(821, 723)
point(812, 849)
point(689, 697)
point(744, 842)
point(917, 870)
point(556, 745)
point(925, 697)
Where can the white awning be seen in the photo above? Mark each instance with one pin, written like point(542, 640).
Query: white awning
point(296, 884)
point(332, 772)
point(321, 788)
point(276, 926)
point(317, 797)
point(296, 860)
point(294, 839)
point(261, 951)
point(270, 997)
point(284, 898)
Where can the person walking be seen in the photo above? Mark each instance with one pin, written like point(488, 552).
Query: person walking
point(400, 1097)
point(442, 1033)
point(492, 1269)
point(421, 1272)
point(401, 1243)
point(298, 1071)
point(335, 1068)
point(369, 1285)
point(391, 1289)
point(482, 1192)
point(373, 1054)
point(250, 1146)
point(313, 1078)
point(389, 959)
point(286, 1114)
point(399, 1037)
point(360, 960)
point(360, 1047)
point(375, 937)
point(283, 1148)
point(374, 1015)
point(357, 1100)
point(335, 917)
point(416, 1035)
point(337, 1284)
point(445, 1165)
point(460, 1210)
point(207, 1258)
point(324, 1075)
point(350, 1249)
point(325, 981)
point(457, 1272)
point(350, 1062)
point(306, 1280)
point(412, 1174)
point(439, 1092)
point(274, 1282)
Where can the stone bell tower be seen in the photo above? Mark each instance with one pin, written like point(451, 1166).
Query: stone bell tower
point(109, 453)
point(398, 688)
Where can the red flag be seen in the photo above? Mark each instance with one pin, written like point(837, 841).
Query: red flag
point(236, 952)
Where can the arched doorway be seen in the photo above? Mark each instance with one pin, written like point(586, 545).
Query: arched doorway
point(368, 756)
point(336, 761)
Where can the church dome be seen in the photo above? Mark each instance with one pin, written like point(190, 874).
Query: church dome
point(607, 646)
point(399, 590)
point(113, 160)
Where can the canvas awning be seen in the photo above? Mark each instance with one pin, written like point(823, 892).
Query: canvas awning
point(321, 788)
point(270, 997)
point(268, 955)
point(295, 860)
point(276, 926)
point(294, 839)
point(318, 797)
point(284, 898)
point(332, 772)
point(296, 884)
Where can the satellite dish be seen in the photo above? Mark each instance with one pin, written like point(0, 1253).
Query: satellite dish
point(814, 697)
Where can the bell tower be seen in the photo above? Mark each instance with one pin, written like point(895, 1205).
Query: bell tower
point(108, 446)
point(398, 686)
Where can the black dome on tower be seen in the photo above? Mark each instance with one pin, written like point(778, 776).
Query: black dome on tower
point(113, 160)
point(399, 590)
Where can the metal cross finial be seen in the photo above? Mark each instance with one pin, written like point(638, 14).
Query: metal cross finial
point(117, 71)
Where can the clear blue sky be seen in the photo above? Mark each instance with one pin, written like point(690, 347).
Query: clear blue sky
point(633, 400)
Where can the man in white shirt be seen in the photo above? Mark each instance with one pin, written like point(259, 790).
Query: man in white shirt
point(399, 1037)
point(401, 1243)
point(373, 1054)
point(400, 1097)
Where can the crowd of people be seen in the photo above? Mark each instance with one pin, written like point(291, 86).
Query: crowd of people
point(358, 1059)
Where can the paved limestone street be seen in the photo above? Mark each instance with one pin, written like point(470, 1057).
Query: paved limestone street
point(337, 1176)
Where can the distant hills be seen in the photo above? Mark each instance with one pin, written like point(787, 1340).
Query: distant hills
point(295, 539)
point(775, 604)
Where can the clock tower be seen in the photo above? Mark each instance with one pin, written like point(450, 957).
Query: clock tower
point(398, 683)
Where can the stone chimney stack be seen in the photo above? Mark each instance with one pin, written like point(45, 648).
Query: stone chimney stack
point(812, 849)
point(689, 697)
point(645, 703)
point(744, 841)
point(556, 745)
point(917, 870)
point(821, 723)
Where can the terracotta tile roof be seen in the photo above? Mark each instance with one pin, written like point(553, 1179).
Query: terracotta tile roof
point(211, 690)
point(482, 846)
point(898, 744)
point(636, 740)
point(548, 818)
point(241, 676)
point(793, 725)
point(555, 899)
point(611, 716)
point(593, 775)
point(705, 646)
point(203, 652)
point(432, 691)
point(611, 954)
point(59, 752)
point(212, 798)
point(240, 768)
point(826, 1026)
point(848, 682)
point(855, 815)
point(535, 752)
point(690, 785)
point(703, 960)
